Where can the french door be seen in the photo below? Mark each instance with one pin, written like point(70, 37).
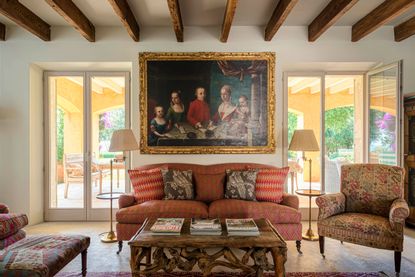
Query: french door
point(353, 123)
point(82, 109)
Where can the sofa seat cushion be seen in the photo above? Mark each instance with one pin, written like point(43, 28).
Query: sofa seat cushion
point(11, 223)
point(41, 256)
point(162, 208)
point(235, 208)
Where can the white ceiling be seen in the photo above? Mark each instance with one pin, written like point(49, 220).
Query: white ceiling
point(203, 12)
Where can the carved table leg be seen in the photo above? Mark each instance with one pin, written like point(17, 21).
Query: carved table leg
point(148, 256)
point(279, 255)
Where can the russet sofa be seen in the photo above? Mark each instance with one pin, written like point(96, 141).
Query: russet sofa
point(209, 184)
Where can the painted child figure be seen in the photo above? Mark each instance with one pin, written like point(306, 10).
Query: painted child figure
point(176, 113)
point(241, 116)
point(158, 126)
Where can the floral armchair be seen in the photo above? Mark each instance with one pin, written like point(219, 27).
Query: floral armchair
point(11, 226)
point(368, 211)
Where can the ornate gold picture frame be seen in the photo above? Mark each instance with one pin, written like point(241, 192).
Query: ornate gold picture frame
point(207, 103)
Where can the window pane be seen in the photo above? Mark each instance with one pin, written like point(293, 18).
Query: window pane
point(107, 115)
point(304, 112)
point(383, 117)
point(66, 152)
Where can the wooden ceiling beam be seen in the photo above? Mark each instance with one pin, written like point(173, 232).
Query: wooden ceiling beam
point(74, 16)
point(283, 9)
point(176, 18)
point(25, 18)
point(328, 16)
point(381, 15)
point(2, 32)
point(227, 19)
point(123, 10)
point(405, 29)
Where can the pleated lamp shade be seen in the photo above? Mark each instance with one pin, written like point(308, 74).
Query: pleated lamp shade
point(123, 140)
point(303, 140)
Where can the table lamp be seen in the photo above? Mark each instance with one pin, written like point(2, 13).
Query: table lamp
point(121, 140)
point(305, 140)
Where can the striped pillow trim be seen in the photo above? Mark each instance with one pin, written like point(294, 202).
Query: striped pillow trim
point(147, 184)
point(270, 184)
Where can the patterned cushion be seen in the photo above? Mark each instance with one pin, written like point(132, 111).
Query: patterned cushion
point(234, 208)
point(270, 184)
point(364, 229)
point(41, 255)
point(4, 209)
point(240, 184)
point(21, 234)
point(147, 184)
point(371, 188)
point(11, 223)
point(162, 208)
point(177, 184)
point(209, 186)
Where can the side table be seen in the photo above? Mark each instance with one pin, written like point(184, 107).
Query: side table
point(309, 235)
point(109, 236)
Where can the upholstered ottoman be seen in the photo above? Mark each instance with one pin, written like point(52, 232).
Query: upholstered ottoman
point(42, 255)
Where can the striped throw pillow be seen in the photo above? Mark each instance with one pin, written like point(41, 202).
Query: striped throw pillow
point(270, 184)
point(147, 184)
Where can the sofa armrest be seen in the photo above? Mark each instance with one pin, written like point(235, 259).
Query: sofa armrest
point(398, 212)
point(290, 200)
point(126, 200)
point(4, 209)
point(330, 204)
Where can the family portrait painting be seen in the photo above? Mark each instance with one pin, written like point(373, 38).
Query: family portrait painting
point(207, 102)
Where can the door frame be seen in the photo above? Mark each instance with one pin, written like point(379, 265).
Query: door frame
point(86, 213)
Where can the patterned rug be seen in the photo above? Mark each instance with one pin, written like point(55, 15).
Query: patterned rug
point(228, 274)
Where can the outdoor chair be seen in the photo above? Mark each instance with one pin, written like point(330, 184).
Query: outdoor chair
point(74, 171)
point(368, 211)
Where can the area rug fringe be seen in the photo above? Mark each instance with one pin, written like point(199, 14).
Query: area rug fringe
point(227, 274)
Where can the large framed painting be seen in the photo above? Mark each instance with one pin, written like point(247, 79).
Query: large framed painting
point(207, 102)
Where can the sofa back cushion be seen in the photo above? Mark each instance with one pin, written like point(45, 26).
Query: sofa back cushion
point(209, 180)
point(147, 184)
point(209, 186)
point(270, 184)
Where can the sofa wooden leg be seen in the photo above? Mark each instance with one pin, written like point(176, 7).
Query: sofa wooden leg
point(298, 244)
point(119, 247)
point(321, 242)
point(84, 260)
point(398, 256)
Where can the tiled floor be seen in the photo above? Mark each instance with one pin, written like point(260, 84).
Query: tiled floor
point(346, 257)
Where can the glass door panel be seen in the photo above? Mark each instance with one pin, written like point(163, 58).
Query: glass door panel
point(343, 133)
point(107, 114)
point(384, 100)
point(304, 112)
point(66, 142)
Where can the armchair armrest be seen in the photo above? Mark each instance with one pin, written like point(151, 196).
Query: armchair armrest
point(126, 200)
point(4, 209)
point(398, 212)
point(330, 204)
point(290, 200)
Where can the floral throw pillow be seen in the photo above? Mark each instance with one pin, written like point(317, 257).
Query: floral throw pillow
point(240, 184)
point(177, 184)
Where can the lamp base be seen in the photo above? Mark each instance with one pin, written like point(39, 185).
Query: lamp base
point(310, 236)
point(108, 237)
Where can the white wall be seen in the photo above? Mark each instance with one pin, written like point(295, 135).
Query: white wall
point(114, 45)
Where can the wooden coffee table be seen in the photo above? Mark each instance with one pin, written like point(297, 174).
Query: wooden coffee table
point(185, 251)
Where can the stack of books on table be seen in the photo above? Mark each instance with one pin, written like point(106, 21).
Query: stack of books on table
point(167, 226)
point(242, 227)
point(206, 227)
